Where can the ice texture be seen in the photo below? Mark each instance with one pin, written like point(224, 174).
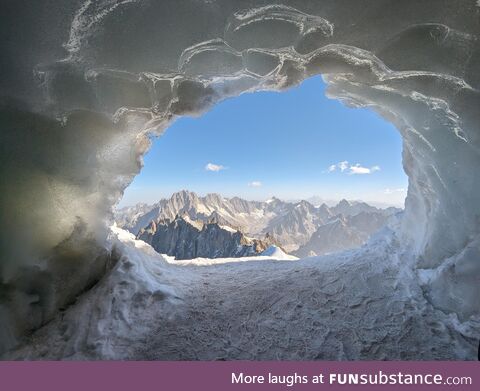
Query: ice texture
point(84, 86)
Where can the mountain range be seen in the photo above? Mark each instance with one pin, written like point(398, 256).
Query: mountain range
point(217, 226)
point(184, 238)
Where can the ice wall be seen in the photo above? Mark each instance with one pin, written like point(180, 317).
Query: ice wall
point(84, 84)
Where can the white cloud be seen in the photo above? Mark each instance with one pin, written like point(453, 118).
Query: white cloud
point(357, 169)
point(255, 184)
point(214, 167)
point(352, 169)
point(343, 165)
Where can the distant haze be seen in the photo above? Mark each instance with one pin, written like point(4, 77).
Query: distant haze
point(154, 195)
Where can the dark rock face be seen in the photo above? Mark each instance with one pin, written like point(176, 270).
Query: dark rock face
point(187, 239)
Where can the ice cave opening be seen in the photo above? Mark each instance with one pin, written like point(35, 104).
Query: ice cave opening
point(80, 100)
point(267, 172)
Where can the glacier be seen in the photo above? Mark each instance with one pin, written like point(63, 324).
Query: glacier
point(84, 88)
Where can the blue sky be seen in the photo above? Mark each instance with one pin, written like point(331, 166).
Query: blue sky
point(292, 145)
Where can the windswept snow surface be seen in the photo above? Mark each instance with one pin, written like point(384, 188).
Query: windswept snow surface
point(362, 304)
point(272, 253)
point(277, 253)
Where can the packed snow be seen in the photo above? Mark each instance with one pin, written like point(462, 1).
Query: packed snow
point(276, 252)
point(356, 305)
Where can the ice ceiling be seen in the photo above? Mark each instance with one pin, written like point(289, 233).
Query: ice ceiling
point(84, 84)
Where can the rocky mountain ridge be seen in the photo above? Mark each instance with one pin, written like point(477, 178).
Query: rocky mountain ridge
point(184, 238)
point(298, 227)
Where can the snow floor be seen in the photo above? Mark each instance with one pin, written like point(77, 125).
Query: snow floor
point(360, 304)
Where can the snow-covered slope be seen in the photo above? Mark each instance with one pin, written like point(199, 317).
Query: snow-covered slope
point(276, 252)
point(273, 253)
point(363, 304)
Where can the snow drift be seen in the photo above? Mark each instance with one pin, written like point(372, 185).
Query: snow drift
point(84, 85)
point(356, 305)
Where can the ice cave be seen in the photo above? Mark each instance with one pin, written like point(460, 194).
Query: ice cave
point(84, 86)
